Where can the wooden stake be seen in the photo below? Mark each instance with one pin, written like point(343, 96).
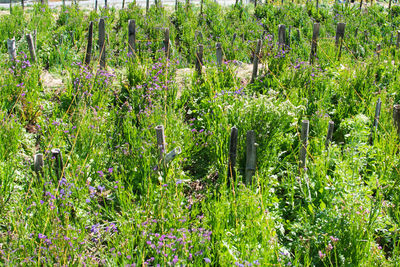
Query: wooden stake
point(232, 153)
point(199, 59)
point(219, 53)
point(95, 5)
point(378, 50)
point(22, 4)
point(161, 145)
point(147, 5)
point(255, 61)
point(398, 40)
point(58, 167)
point(339, 33)
point(31, 47)
point(38, 165)
point(102, 43)
point(329, 135)
point(12, 50)
point(282, 35)
point(131, 36)
point(396, 118)
point(304, 143)
point(314, 42)
point(88, 56)
point(376, 120)
point(166, 42)
point(123, 4)
point(250, 156)
point(233, 39)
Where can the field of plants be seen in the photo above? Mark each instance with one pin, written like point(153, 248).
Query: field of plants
point(86, 179)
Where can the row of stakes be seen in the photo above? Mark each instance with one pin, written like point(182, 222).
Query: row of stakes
point(251, 156)
point(283, 41)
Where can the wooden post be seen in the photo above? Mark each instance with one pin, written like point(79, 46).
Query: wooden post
point(304, 143)
point(102, 43)
point(250, 156)
point(398, 40)
point(166, 42)
point(329, 135)
point(161, 145)
point(201, 7)
point(234, 38)
point(396, 118)
point(12, 50)
point(31, 47)
point(10, 6)
point(123, 4)
point(255, 4)
point(147, 5)
point(131, 36)
point(339, 33)
point(199, 59)
point(378, 50)
point(361, 3)
point(58, 167)
point(38, 165)
point(232, 153)
point(95, 5)
point(22, 4)
point(314, 42)
point(219, 53)
point(255, 61)
point(89, 44)
point(105, 3)
point(376, 120)
point(282, 35)
point(289, 36)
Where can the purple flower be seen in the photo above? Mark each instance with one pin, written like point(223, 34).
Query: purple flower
point(101, 174)
point(321, 255)
point(207, 260)
point(41, 236)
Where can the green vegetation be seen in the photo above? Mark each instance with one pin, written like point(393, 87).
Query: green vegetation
point(115, 204)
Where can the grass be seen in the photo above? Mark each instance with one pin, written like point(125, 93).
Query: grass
point(113, 202)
